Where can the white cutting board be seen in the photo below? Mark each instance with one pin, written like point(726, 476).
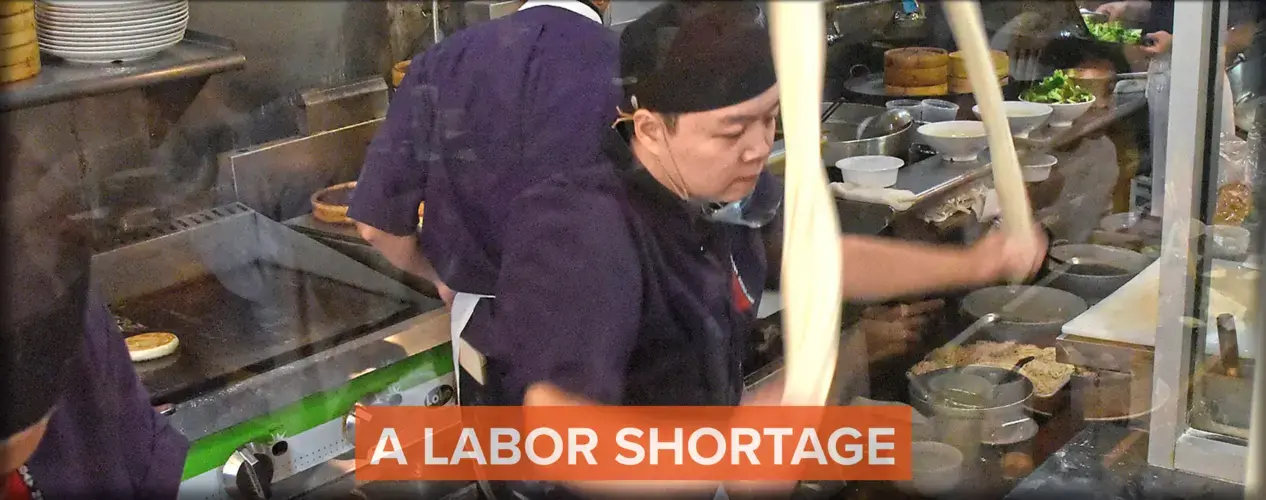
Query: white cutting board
point(1131, 314)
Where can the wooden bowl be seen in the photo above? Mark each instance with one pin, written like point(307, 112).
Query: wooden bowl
point(330, 204)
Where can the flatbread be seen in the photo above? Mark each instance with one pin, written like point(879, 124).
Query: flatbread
point(812, 268)
point(153, 345)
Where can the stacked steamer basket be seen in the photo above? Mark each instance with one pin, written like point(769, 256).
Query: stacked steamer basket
point(19, 52)
point(958, 82)
point(105, 31)
point(916, 71)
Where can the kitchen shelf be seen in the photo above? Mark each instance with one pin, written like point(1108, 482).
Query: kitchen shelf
point(198, 55)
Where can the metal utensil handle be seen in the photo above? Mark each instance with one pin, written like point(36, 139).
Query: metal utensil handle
point(980, 324)
point(1036, 288)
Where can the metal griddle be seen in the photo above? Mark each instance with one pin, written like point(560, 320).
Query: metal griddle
point(245, 294)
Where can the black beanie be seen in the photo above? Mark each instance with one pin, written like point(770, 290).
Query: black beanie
point(684, 57)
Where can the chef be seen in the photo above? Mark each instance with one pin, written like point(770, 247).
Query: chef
point(481, 116)
point(75, 421)
point(632, 284)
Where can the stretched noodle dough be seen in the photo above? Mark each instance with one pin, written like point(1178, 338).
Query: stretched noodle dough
point(811, 244)
point(969, 33)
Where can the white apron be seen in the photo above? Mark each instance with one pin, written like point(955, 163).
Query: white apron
point(465, 356)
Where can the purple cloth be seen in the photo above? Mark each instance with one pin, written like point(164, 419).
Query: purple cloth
point(479, 118)
point(104, 440)
point(615, 289)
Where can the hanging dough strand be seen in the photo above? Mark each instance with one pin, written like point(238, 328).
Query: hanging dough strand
point(969, 33)
point(811, 268)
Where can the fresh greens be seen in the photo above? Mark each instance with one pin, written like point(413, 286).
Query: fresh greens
point(1058, 88)
point(1113, 32)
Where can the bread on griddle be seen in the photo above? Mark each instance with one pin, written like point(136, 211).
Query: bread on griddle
point(153, 345)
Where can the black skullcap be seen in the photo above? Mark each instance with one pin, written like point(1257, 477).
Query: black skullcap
point(684, 57)
point(44, 279)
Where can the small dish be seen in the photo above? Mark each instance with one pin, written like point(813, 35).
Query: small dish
point(1037, 167)
point(937, 469)
point(1064, 114)
point(961, 140)
point(870, 171)
point(1023, 117)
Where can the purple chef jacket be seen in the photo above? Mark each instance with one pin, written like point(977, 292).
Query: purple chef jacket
point(104, 439)
point(614, 288)
point(480, 117)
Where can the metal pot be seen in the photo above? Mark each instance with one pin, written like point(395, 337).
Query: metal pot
point(1099, 270)
point(1244, 75)
point(841, 127)
point(966, 404)
point(1035, 318)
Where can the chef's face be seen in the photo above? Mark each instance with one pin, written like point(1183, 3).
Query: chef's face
point(718, 154)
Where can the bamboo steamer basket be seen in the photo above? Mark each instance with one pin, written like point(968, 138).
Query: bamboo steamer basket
point(20, 54)
point(17, 23)
point(18, 72)
point(17, 38)
point(12, 7)
point(19, 49)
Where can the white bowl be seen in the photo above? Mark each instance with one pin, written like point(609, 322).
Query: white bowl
point(1023, 117)
point(129, 10)
point(1037, 168)
point(99, 5)
point(96, 27)
point(113, 45)
point(960, 140)
point(121, 34)
point(114, 17)
point(1065, 114)
point(870, 171)
point(121, 38)
point(107, 56)
point(937, 469)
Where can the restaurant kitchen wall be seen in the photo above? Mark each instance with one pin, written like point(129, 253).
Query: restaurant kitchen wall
point(139, 157)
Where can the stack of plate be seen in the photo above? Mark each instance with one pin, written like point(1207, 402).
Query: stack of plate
point(19, 54)
point(104, 31)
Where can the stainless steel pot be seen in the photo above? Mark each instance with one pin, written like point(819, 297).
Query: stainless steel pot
point(1035, 319)
point(966, 404)
point(1243, 75)
point(841, 127)
point(1098, 271)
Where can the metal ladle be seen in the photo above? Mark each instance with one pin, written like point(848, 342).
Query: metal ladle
point(890, 121)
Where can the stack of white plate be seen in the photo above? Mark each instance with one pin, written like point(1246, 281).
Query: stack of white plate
point(104, 31)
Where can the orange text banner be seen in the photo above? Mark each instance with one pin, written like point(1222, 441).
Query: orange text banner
point(633, 443)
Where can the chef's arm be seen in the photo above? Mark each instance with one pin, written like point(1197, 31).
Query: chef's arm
point(547, 394)
point(884, 268)
point(401, 251)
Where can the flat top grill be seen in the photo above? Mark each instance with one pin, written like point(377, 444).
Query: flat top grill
point(249, 319)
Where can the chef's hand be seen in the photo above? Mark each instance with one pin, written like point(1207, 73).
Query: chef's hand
point(1001, 257)
point(894, 330)
point(446, 294)
point(1127, 9)
point(1161, 42)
